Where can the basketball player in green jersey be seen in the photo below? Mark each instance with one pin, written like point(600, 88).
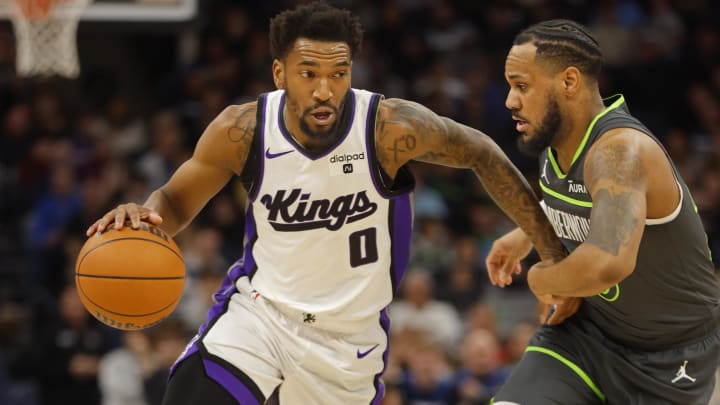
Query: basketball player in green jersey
point(647, 331)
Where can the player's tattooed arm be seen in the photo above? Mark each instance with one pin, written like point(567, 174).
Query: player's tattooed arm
point(220, 153)
point(408, 131)
point(240, 123)
point(616, 178)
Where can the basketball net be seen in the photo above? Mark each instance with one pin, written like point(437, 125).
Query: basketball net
point(46, 32)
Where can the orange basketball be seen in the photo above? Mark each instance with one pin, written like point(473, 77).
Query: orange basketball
point(132, 278)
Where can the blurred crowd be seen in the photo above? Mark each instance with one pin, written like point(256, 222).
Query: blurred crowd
point(70, 150)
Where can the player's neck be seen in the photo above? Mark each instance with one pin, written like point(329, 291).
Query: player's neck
point(575, 124)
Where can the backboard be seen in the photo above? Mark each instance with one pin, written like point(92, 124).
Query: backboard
point(132, 10)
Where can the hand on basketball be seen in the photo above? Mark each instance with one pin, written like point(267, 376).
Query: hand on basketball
point(125, 212)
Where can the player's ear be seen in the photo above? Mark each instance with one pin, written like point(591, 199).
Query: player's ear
point(570, 80)
point(278, 70)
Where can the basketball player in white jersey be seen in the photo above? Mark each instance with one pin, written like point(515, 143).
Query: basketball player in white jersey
point(328, 222)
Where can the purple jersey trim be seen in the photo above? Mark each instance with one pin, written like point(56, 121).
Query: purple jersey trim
point(250, 238)
point(289, 137)
point(401, 232)
point(370, 141)
point(262, 102)
point(379, 386)
point(400, 215)
point(231, 383)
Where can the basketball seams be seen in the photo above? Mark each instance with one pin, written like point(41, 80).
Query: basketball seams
point(129, 277)
point(171, 304)
point(170, 248)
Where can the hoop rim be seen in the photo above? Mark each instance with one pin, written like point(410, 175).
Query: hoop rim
point(36, 9)
point(133, 12)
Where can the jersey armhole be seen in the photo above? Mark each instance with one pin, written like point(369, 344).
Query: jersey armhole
point(404, 181)
point(251, 175)
point(672, 215)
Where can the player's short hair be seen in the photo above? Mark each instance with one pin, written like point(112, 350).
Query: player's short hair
point(563, 43)
point(317, 21)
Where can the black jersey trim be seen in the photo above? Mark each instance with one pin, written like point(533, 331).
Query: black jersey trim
point(251, 176)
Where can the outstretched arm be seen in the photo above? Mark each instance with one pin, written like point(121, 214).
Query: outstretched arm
point(617, 181)
point(408, 131)
point(220, 153)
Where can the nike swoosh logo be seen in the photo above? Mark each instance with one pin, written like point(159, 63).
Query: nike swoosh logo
point(274, 155)
point(360, 354)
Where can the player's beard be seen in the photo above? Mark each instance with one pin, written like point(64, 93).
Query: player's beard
point(546, 132)
point(327, 133)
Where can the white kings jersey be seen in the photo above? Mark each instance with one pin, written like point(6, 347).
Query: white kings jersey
point(326, 239)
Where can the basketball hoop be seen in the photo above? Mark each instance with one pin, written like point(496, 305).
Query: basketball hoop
point(45, 31)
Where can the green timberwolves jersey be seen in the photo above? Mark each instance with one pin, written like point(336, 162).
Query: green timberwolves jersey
point(672, 296)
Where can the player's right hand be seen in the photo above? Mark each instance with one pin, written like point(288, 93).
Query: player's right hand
point(125, 212)
point(504, 257)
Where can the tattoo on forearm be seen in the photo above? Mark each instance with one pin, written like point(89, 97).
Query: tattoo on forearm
point(505, 184)
point(612, 219)
point(244, 125)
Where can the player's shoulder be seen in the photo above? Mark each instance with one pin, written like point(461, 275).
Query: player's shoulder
point(623, 154)
point(229, 136)
point(397, 103)
point(234, 115)
point(624, 141)
point(399, 110)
